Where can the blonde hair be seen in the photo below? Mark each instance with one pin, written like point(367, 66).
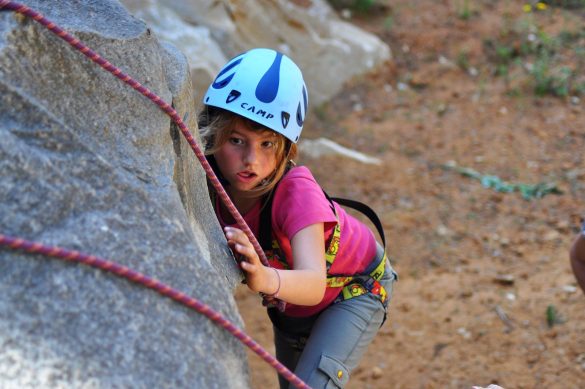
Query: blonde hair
point(215, 128)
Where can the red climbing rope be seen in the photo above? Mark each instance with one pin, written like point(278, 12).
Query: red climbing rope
point(33, 247)
point(151, 283)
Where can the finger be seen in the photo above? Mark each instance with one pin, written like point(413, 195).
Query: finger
point(248, 252)
point(236, 235)
point(233, 230)
point(241, 249)
point(248, 267)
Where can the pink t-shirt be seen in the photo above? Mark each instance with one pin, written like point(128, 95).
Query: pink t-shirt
point(299, 202)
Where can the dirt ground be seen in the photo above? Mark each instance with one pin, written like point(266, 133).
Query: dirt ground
point(486, 293)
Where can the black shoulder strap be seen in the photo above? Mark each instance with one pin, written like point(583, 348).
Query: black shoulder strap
point(265, 229)
point(363, 208)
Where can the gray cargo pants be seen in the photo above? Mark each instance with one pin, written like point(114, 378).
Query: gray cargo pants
point(322, 350)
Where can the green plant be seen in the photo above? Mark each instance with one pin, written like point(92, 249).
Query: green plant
point(464, 10)
point(552, 316)
point(554, 81)
point(579, 89)
point(548, 64)
point(361, 6)
point(462, 60)
point(389, 23)
point(569, 4)
point(513, 92)
point(548, 77)
point(504, 53)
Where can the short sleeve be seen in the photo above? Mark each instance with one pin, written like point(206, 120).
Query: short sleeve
point(299, 202)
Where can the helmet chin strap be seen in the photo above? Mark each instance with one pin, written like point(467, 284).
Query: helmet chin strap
point(288, 146)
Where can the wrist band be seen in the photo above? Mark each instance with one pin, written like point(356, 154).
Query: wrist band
point(275, 294)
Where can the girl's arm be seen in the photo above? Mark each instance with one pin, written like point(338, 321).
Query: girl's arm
point(578, 260)
point(305, 285)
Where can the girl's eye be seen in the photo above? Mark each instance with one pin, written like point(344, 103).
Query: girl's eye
point(267, 144)
point(236, 141)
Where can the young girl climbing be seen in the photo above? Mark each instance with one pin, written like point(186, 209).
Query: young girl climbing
point(325, 264)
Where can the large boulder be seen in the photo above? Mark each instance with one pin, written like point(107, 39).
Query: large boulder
point(329, 50)
point(89, 164)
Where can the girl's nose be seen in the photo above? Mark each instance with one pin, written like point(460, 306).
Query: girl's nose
point(250, 156)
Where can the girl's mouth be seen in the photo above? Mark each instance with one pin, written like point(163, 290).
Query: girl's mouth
point(246, 176)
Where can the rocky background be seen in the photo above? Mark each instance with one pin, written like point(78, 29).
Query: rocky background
point(89, 164)
point(328, 49)
point(481, 104)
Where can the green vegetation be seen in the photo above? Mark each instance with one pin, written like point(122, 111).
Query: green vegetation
point(464, 10)
point(548, 64)
point(569, 4)
point(362, 7)
point(553, 317)
point(389, 23)
point(463, 60)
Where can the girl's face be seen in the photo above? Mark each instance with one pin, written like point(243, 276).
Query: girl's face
point(247, 157)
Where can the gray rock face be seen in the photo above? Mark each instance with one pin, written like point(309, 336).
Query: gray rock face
point(89, 164)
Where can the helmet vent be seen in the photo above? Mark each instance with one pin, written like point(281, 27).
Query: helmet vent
point(285, 117)
point(299, 116)
point(234, 94)
point(220, 82)
point(267, 88)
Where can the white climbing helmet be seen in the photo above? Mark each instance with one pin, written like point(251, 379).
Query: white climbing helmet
point(265, 86)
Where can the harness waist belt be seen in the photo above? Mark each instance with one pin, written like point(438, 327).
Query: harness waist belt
point(359, 284)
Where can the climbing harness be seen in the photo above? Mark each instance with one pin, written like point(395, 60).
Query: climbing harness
point(352, 285)
point(90, 260)
point(369, 281)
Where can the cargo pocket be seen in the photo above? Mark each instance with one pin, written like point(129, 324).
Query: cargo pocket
point(335, 370)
